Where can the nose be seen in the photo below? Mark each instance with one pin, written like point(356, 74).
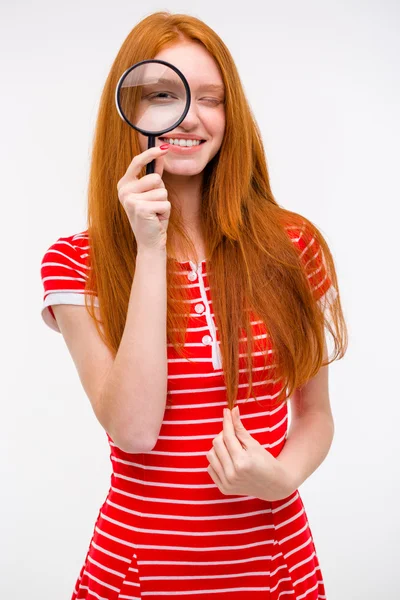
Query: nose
point(191, 119)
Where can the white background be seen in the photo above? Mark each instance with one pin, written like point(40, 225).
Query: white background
point(323, 81)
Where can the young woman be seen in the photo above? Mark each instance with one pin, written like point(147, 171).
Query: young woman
point(191, 346)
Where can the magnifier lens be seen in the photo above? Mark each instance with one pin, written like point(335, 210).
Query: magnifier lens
point(152, 97)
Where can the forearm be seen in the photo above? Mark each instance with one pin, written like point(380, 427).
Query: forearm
point(307, 445)
point(135, 391)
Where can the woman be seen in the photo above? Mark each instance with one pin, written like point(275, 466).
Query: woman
point(229, 310)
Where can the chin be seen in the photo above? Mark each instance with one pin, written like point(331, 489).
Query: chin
point(184, 169)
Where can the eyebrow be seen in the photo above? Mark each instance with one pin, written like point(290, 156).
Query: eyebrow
point(212, 86)
point(218, 87)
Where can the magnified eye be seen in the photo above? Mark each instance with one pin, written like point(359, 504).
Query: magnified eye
point(160, 96)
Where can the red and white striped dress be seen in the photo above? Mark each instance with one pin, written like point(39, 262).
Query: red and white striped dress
point(165, 529)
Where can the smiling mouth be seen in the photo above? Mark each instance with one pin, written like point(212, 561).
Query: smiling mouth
point(182, 143)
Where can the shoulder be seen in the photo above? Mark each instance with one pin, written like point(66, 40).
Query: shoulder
point(65, 264)
point(307, 239)
point(72, 243)
point(64, 272)
point(310, 244)
point(72, 249)
point(301, 231)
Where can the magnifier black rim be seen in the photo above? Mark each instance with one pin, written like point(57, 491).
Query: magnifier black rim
point(185, 83)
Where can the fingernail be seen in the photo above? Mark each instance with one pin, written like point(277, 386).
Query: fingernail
point(164, 146)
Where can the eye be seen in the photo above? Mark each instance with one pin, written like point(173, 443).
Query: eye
point(214, 101)
point(160, 96)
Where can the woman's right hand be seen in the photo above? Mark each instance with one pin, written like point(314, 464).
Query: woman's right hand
point(145, 200)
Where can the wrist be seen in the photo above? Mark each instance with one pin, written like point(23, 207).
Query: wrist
point(290, 479)
point(152, 253)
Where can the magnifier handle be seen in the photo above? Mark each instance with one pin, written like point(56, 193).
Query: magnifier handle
point(151, 165)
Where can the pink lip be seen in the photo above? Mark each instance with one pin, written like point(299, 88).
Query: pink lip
point(184, 149)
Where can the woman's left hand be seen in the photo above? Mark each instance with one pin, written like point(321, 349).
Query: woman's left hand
point(240, 465)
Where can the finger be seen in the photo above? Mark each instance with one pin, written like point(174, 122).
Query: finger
point(157, 195)
point(214, 476)
point(159, 166)
point(220, 461)
point(223, 455)
point(144, 184)
point(142, 159)
point(232, 443)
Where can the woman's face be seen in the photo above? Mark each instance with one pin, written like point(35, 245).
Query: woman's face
point(205, 119)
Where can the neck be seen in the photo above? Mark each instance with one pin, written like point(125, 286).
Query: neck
point(187, 196)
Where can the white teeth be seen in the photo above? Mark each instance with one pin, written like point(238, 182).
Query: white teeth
point(180, 142)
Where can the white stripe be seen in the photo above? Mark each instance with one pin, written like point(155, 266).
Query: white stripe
point(215, 374)
point(219, 591)
point(320, 284)
point(207, 563)
point(220, 387)
point(89, 593)
point(239, 403)
point(186, 518)
point(196, 300)
point(205, 328)
point(213, 533)
point(66, 297)
point(196, 359)
point(75, 262)
point(58, 265)
point(185, 438)
point(117, 556)
point(115, 539)
point(205, 548)
point(107, 569)
point(287, 554)
point(293, 535)
point(315, 587)
point(303, 562)
point(164, 453)
point(182, 502)
point(201, 345)
point(205, 486)
point(217, 420)
point(287, 503)
point(199, 577)
point(107, 585)
point(306, 249)
point(292, 518)
point(191, 502)
point(184, 533)
point(63, 278)
point(313, 273)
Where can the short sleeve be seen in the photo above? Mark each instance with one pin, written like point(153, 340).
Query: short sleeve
point(313, 260)
point(64, 271)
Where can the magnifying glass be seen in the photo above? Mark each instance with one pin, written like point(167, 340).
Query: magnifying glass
point(153, 97)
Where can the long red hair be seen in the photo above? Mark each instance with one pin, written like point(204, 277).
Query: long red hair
point(255, 267)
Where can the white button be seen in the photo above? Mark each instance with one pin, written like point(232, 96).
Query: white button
point(199, 308)
point(207, 339)
point(192, 276)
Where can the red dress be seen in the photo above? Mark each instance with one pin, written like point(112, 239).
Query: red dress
point(165, 529)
